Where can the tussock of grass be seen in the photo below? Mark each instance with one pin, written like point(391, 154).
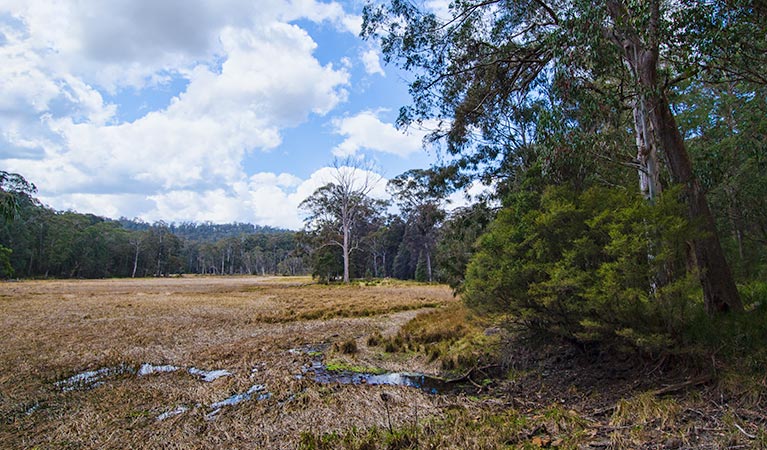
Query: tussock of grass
point(450, 335)
point(463, 427)
point(375, 339)
point(638, 418)
point(347, 347)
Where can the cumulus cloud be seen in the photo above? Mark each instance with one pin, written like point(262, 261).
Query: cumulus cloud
point(250, 73)
point(366, 131)
point(372, 62)
point(265, 198)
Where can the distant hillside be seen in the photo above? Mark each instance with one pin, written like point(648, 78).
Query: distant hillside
point(205, 232)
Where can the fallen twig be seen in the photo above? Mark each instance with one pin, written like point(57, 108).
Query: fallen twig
point(750, 436)
point(662, 391)
point(467, 375)
point(681, 386)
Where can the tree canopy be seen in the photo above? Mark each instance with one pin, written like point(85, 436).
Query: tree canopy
point(563, 81)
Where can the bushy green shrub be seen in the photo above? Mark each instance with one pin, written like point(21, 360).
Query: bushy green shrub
point(601, 265)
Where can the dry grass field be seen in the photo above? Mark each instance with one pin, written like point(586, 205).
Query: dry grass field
point(123, 364)
point(260, 330)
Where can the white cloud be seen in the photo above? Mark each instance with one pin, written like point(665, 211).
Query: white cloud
point(366, 131)
point(372, 62)
point(266, 199)
point(250, 74)
point(468, 196)
point(440, 8)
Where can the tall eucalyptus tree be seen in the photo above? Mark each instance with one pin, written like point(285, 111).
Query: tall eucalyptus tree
point(479, 69)
point(339, 208)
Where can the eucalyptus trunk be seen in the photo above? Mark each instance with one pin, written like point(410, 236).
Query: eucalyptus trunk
point(345, 248)
point(647, 151)
point(719, 291)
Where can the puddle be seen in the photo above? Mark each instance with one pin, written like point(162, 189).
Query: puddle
point(147, 369)
point(92, 378)
point(32, 409)
point(427, 383)
point(209, 376)
point(172, 413)
point(259, 389)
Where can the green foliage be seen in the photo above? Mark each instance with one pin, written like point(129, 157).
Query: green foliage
point(726, 127)
point(456, 242)
point(601, 265)
point(739, 339)
point(327, 264)
point(50, 243)
point(6, 269)
point(14, 189)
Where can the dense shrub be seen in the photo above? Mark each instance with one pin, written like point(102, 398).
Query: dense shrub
point(601, 265)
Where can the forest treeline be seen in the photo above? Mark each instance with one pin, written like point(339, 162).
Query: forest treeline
point(42, 242)
point(38, 241)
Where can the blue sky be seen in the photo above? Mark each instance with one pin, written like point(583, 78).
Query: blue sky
point(195, 110)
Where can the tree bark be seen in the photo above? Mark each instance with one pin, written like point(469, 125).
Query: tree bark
point(720, 294)
point(345, 247)
point(647, 153)
point(135, 261)
point(719, 291)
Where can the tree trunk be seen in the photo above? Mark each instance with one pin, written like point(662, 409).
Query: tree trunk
point(719, 291)
point(346, 253)
point(428, 265)
point(135, 262)
point(647, 152)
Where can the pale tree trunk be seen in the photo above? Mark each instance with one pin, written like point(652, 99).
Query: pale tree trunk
point(345, 248)
point(647, 152)
point(428, 265)
point(135, 261)
point(719, 291)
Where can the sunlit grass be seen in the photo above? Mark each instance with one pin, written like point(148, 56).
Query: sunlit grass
point(52, 330)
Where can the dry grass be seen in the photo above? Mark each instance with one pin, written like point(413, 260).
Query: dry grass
point(51, 330)
point(451, 337)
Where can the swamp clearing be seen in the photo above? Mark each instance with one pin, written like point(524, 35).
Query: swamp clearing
point(273, 362)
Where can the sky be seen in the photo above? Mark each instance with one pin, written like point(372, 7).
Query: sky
point(195, 110)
